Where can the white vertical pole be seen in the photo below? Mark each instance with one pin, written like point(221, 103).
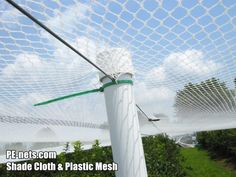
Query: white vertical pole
point(125, 135)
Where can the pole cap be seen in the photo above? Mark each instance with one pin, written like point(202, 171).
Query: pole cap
point(115, 62)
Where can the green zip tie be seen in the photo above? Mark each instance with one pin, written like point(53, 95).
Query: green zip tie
point(101, 89)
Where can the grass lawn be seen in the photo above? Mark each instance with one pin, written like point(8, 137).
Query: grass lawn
point(199, 164)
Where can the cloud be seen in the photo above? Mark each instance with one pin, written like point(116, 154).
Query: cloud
point(31, 79)
point(34, 79)
point(157, 96)
point(69, 22)
point(63, 64)
point(150, 95)
point(33, 98)
point(154, 100)
point(88, 108)
point(66, 20)
point(27, 64)
point(157, 74)
point(191, 62)
point(84, 45)
point(9, 17)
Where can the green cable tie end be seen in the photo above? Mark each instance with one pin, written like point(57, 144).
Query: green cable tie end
point(101, 89)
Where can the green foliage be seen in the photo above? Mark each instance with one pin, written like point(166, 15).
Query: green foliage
point(162, 155)
point(220, 142)
point(67, 147)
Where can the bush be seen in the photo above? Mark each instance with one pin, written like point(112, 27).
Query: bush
point(220, 142)
point(162, 155)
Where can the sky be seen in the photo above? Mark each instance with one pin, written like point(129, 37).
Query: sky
point(171, 43)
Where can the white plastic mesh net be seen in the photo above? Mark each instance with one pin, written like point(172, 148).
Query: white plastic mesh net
point(172, 43)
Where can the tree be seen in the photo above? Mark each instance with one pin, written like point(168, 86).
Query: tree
point(67, 147)
point(219, 142)
point(210, 96)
